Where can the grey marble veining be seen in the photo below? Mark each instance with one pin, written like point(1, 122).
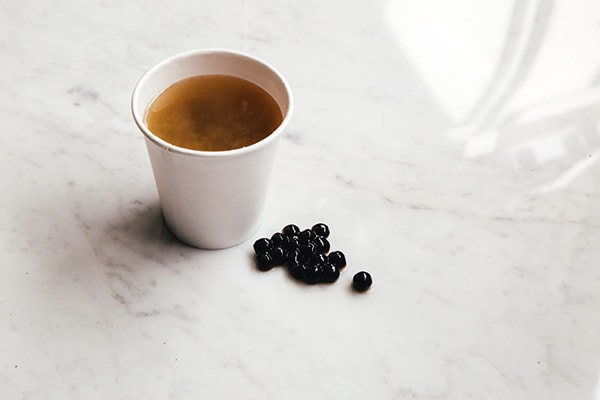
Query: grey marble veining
point(452, 148)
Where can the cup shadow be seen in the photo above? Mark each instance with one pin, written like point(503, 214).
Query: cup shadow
point(140, 230)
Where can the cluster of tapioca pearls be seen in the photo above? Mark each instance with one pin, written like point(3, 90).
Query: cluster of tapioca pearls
point(306, 255)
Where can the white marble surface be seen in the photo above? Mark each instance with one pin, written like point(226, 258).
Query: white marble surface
point(452, 147)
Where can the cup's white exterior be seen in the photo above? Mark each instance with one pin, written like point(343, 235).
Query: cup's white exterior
point(211, 200)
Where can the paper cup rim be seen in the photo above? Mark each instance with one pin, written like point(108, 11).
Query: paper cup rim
point(139, 119)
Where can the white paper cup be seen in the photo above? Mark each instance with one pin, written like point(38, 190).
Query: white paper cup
point(211, 199)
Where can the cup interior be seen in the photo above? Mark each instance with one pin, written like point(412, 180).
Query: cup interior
point(208, 62)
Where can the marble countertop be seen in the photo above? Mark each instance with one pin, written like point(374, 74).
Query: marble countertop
point(452, 147)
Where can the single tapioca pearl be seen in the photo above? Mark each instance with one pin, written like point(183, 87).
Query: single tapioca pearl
point(321, 244)
point(264, 261)
point(321, 230)
point(338, 259)
point(318, 259)
point(306, 236)
point(311, 273)
point(362, 281)
point(307, 250)
point(261, 245)
point(279, 240)
point(329, 273)
point(277, 255)
point(290, 230)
